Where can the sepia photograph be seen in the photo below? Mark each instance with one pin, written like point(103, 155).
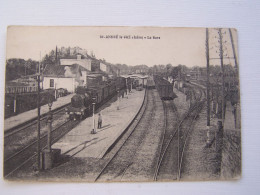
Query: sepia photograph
point(121, 104)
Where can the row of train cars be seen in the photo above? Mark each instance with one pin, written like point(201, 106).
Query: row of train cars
point(82, 103)
point(163, 86)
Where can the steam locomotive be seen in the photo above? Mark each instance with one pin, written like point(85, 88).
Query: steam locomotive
point(81, 102)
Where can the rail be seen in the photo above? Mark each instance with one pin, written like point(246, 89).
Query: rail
point(13, 158)
point(139, 114)
point(197, 106)
point(20, 128)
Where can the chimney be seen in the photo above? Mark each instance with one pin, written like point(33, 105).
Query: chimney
point(78, 57)
point(56, 55)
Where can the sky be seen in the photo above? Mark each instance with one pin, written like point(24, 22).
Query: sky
point(124, 45)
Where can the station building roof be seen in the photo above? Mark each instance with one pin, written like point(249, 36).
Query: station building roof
point(135, 76)
point(86, 63)
point(59, 71)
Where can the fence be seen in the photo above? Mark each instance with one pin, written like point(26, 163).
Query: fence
point(14, 90)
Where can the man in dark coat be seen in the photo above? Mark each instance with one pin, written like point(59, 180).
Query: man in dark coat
point(99, 121)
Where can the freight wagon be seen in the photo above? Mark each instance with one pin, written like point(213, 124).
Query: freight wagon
point(150, 83)
point(164, 88)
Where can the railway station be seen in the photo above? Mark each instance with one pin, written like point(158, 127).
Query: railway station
point(79, 142)
point(79, 118)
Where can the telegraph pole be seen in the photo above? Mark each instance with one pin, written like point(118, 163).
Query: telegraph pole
point(118, 99)
point(208, 97)
point(223, 77)
point(208, 88)
point(236, 73)
point(219, 134)
point(39, 118)
point(93, 117)
point(233, 48)
point(38, 124)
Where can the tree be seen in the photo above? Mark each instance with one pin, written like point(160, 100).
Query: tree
point(48, 59)
point(27, 66)
point(175, 72)
point(155, 69)
point(16, 68)
point(168, 67)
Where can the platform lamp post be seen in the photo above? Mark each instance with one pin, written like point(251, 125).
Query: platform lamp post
point(47, 153)
point(39, 79)
point(131, 85)
point(94, 127)
point(118, 99)
point(49, 121)
point(208, 88)
point(126, 87)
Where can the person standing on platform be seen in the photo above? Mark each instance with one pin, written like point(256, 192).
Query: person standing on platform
point(99, 121)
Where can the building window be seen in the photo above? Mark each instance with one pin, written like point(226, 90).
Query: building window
point(51, 82)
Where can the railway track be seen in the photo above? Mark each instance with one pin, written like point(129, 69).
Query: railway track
point(165, 168)
point(27, 154)
point(31, 123)
point(188, 124)
point(16, 140)
point(19, 153)
point(185, 136)
point(125, 154)
point(123, 158)
point(120, 162)
point(175, 138)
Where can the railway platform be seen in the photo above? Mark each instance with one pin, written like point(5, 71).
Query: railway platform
point(24, 117)
point(80, 143)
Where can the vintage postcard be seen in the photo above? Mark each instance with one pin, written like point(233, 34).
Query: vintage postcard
point(122, 104)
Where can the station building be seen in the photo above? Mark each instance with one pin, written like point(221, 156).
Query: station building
point(71, 73)
point(66, 77)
